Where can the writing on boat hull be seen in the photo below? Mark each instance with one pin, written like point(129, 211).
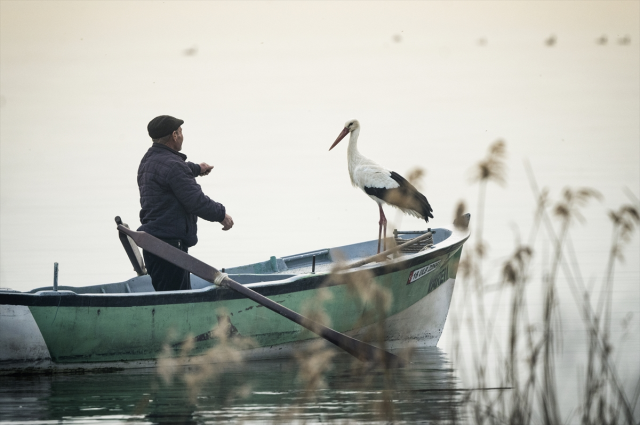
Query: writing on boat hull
point(422, 271)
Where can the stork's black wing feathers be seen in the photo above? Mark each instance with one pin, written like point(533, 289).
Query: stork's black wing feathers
point(404, 196)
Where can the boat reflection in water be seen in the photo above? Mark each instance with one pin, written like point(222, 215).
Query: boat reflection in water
point(261, 391)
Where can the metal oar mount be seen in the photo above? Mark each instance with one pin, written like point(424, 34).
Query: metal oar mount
point(358, 349)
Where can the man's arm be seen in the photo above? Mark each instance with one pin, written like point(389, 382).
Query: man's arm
point(202, 169)
point(190, 195)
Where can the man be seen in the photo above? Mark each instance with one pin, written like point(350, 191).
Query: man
point(171, 201)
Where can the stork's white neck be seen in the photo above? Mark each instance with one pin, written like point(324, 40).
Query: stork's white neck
point(353, 142)
point(353, 155)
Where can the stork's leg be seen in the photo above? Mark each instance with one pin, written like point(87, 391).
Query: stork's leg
point(382, 223)
point(384, 235)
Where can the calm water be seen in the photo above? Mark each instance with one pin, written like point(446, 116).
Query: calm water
point(264, 89)
point(268, 391)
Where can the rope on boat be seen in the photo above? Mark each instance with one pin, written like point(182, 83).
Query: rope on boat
point(219, 278)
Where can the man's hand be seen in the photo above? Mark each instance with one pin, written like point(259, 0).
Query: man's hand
point(227, 223)
point(205, 169)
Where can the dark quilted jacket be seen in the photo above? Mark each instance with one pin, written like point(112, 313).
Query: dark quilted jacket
point(170, 198)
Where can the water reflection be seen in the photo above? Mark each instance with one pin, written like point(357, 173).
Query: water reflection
point(266, 391)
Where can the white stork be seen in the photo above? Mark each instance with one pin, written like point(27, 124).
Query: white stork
point(382, 185)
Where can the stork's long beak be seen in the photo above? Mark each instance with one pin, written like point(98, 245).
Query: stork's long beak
point(340, 137)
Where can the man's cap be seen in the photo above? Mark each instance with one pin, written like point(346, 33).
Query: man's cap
point(163, 125)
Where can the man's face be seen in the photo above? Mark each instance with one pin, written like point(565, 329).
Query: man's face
point(178, 138)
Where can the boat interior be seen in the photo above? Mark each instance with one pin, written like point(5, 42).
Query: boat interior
point(274, 269)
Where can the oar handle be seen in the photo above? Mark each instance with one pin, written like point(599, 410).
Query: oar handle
point(131, 249)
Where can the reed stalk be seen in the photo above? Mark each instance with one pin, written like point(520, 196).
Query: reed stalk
point(532, 347)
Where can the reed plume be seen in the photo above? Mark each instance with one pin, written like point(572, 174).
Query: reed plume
point(196, 370)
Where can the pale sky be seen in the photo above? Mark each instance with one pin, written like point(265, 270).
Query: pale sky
point(264, 95)
point(153, 27)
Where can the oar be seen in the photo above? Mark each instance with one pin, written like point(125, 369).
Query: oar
point(358, 349)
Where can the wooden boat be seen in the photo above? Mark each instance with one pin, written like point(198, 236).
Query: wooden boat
point(127, 324)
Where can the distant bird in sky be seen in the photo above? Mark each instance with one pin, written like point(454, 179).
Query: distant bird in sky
point(624, 40)
point(382, 185)
point(551, 41)
point(191, 51)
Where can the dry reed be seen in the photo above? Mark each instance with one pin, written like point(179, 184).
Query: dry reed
point(532, 348)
